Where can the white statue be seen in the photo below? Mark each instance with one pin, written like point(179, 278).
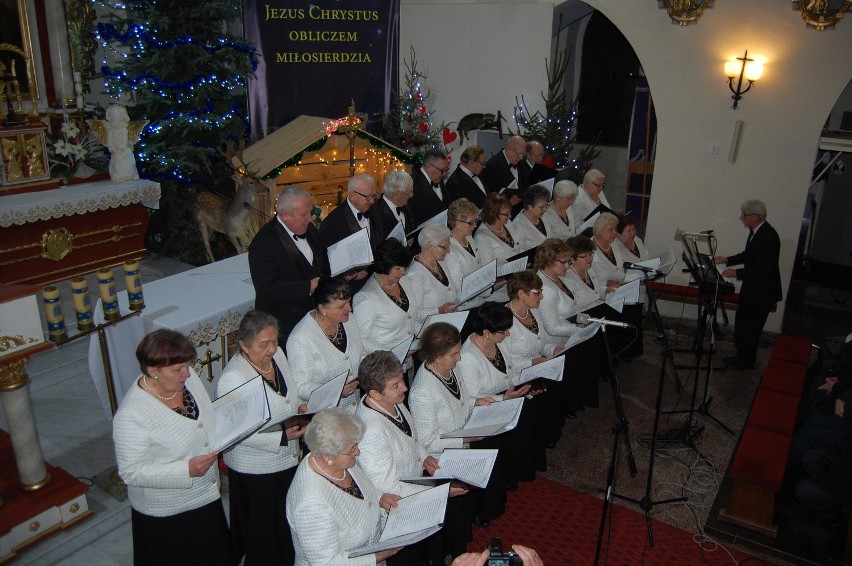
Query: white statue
point(119, 134)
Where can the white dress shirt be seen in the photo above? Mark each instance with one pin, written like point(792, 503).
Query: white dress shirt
point(300, 242)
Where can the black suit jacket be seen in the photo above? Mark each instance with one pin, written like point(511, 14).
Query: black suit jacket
point(462, 185)
point(385, 219)
point(540, 173)
point(425, 203)
point(759, 273)
point(497, 173)
point(282, 276)
point(341, 222)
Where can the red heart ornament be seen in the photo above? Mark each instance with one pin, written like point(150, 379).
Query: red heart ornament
point(449, 136)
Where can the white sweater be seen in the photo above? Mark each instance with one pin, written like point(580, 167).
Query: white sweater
point(524, 346)
point(604, 269)
point(315, 361)
point(436, 411)
point(261, 453)
point(630, 256)
point(584, 204)
point(326, 522)
point(153, 446)
point(433, 292)
point(382, 323)
point(388, 454)
point(556, 227)
point(526, 232)
point(481, 378)
point(492, 247)
point(583, 294)
point(554, 310)
point(459, 263)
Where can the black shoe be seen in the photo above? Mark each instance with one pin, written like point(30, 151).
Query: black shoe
point(731, 359)
point(739, 365)
point(481, 522)
point(571, 416)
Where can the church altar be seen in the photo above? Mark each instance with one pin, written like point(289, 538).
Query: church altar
point(57, 234)
point(206, 304)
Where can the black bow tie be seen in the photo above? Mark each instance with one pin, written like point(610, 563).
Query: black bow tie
point(513, 166)
point(359, 216)
point(436, 186)
point(298, 237)
point(400, 211)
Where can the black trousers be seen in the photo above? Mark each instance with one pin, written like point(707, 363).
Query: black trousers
point(749, 326)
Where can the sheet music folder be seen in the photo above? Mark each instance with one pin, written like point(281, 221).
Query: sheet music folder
point(239, 413)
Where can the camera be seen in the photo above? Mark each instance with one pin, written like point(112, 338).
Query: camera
point(500, 558)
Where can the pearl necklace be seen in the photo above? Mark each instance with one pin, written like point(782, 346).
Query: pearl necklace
point(419, 258)
point(482, 348)
point(517, 315)
point(448, 383)
point(375, 404)
point(251, 363)
point(323, 472)
point(332, 337)
point(157, 395)
point(387, 287)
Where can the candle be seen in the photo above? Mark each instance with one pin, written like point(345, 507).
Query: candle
point(82, 303)
point(64, 105)
point(53, 313)
point(106, 284)
point(134, 286)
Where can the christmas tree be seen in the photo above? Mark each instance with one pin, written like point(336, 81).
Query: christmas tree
point(186, 74)
point(409, 123)
point(556, 129)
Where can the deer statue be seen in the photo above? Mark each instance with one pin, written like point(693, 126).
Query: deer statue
point(213, 213)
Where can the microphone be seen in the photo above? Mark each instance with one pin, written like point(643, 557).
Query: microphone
point(247, 206)
point(584, 318)
point(637, 267)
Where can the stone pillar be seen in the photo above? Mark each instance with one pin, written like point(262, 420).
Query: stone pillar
point(15, 399)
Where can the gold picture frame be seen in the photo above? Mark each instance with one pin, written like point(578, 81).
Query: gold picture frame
point(822, 14)
point(684, 12)
point(15, 32)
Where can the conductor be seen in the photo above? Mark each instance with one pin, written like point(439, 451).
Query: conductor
point(761, 287)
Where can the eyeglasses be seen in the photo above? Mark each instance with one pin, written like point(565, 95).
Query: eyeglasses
point(351, 451)
point(585, 255)
point(444, 247)
point(468, 222)
point(443, 171)
point(744, 214)
point(373, 196)
point(542, 206)
point(503, 332)
point(564, 261)
point(483, 163)
point(599, 185)
point(534, 291)
point(506, 214)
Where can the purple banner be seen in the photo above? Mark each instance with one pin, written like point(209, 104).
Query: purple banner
point(316, 57)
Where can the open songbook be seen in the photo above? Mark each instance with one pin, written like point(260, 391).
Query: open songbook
point(413, 519)
point(350, 252)
point(440, 218)
point(469, 466)
point(457, 319)
point(323, 397)
point(552, 369)
point(478, 281)
point(239, 413)
point(490, 420)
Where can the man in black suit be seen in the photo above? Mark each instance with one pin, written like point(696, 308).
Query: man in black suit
point(761, 288)
point(286, 260)
point(430, 197)
point(502, 168)
point(349, 217)
point(465, 181)
point(392, 208)
point(531, 170)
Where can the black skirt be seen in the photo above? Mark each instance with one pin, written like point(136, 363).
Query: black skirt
point(259, 525)
point(198, 537)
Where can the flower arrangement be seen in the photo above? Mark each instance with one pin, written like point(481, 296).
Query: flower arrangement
point(74, 153)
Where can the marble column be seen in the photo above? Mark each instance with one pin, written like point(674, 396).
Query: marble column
point(15, 399)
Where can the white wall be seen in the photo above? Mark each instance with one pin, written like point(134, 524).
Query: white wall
point(478, 57)
point(805, 72)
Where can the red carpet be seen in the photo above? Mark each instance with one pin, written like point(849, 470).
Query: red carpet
point(562, 525)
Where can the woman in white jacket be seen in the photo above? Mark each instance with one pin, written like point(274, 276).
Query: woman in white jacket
point(528, 225)
point(262, 466)
point(332, 506)
point(163, 434)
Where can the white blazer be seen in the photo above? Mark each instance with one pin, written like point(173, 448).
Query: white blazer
point(583, 294)
point(584, 204)
point(481, 378)
point(382, 323)
point(434, 294)
point(527, 233)
point(524, 346)
point(262, 453)
point(153, 446)
point(556, 227)
point(604, 269)
point(315, 361)
point(492, 247)
point(459, 263)
point(387, 453)
point(640, 245)
point(436, 410)
point(326, 522)
point(555, 308)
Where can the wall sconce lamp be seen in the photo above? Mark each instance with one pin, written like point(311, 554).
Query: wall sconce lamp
point(742, 68)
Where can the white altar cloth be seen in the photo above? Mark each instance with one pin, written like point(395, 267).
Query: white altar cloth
point(21, 208)
point(205, 304)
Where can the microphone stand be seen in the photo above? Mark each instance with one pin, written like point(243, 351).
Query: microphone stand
point(619, 431)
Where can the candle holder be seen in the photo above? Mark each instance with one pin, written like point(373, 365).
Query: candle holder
point(134, 286)
point(106, 284)
point(53, 313)
point(82, 304)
